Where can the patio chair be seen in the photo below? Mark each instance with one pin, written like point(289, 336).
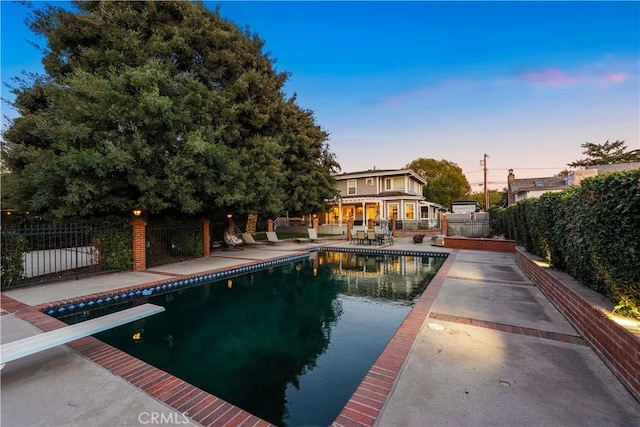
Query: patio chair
point(360, 237)
point(272, 238)
point(354, 236)
point(371, 237)
point(313, 235)
point(387, 237)
point(249, 240)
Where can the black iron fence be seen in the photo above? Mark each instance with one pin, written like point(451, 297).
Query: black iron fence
point(41, 251)
point(173, 241)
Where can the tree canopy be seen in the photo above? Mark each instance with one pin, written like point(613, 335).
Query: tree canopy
point(606, 154)
point(166, 106)
point(496, 198)
point(445, 180)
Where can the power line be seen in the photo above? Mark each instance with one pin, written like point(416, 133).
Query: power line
point(522, 169)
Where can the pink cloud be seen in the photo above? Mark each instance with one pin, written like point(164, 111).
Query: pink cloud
point(550, 77)
point(558, 78)
point(615, 77)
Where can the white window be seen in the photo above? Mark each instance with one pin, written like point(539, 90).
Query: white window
point(392, 211)
point(409, 211)
point(352, 186)
point(394, 184)
point(398, 183)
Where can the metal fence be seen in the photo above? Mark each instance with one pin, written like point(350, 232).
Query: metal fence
point(173, 241)
point(37, 252)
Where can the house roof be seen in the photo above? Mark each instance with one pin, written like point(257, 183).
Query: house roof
point(381, 173)
point(538, 184)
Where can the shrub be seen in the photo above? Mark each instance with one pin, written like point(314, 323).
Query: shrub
point(12, 268)
point(591, 232)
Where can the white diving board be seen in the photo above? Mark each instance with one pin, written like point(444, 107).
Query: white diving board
point(46, 340)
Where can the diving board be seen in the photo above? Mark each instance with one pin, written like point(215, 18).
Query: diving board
point(46, 340)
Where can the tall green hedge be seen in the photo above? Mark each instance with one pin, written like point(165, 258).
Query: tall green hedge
point(591, 232)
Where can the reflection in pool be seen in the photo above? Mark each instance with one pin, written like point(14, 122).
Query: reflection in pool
point(289, 344)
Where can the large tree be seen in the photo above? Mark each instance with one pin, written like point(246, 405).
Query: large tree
point(165, 106)
point(606, 154)
point(445, 180)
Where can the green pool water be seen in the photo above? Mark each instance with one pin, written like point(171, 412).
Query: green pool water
point(289, 344)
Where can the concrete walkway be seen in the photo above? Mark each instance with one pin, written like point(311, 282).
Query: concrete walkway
point(489, 351)
point(494, 352)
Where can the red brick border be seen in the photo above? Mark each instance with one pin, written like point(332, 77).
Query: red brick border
point(511, 329)
point(588, 311)
point(494, 245)
point(367, 401)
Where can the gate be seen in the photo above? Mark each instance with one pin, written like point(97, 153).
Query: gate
point(173, 241)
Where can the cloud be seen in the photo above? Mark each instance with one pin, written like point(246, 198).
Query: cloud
point(554, 77)
point(616, 77)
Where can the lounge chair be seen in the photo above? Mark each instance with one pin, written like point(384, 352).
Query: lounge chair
point(249, 240)
point(313, 235)
point(272, 238)
point(231, 240)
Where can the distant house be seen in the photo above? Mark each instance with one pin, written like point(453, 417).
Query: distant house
point(381, 195)
point(527, 188)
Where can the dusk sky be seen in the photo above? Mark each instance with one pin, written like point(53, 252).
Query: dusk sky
point(525, 82)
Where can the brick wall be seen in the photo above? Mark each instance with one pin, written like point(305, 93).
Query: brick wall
point(495, 245)
point(618, 346)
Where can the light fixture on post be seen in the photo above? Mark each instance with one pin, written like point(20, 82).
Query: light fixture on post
point(229, 216)
point(137, 212)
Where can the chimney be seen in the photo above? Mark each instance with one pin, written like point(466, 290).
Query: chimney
point(511, 197)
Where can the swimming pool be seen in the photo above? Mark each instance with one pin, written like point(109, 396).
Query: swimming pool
point(288, 343)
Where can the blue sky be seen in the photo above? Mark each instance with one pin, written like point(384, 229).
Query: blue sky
point(525, 82)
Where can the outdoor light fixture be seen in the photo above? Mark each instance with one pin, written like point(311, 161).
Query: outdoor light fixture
point(137, 212)
point(229, 216)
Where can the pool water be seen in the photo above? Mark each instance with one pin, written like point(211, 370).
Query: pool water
point(289, 344)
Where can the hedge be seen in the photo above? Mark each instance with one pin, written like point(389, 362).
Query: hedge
point(592, 232)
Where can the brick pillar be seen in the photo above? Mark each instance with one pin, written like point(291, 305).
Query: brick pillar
point(393, 227)
point(139, 244)
point(206, 237)
point(444, 224)
point(349, 228)
point(270, 225)
point(316, 223)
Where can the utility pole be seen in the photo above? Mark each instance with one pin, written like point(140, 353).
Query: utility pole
point(486, 193)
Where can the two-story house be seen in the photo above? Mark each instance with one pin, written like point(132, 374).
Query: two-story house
point(381, 195)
